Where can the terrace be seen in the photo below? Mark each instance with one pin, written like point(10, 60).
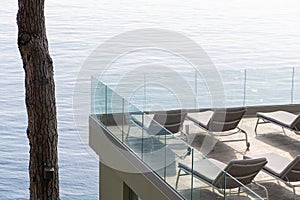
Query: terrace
point(135, 163)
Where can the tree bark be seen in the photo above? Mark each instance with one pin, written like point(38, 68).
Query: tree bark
point(40, 100)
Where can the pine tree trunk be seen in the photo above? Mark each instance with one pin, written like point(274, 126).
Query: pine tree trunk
point(40, 100)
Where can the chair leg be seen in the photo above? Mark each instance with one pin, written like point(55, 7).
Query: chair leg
point(294, 193)
point(264, 188)
point(185, 136)
point(283, 131)
point(177, 179)
point(246, 138)
point(255, 130)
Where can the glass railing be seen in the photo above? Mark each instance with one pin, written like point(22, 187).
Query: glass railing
point(269, 87)
point(165, 154)
point(254, 87)
point(247, 87)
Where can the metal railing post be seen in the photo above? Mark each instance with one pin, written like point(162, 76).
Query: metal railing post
point(145, 94)
point(292, 89)
point(245, 83)
point(106, 100)
point(196, 89)
point(192, 178)
point(123, 118)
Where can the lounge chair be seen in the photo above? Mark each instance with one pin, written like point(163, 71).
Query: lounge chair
point(221, 121)
point(162, 123)
point(282, 168)
point(284, 119)
point(213, 172)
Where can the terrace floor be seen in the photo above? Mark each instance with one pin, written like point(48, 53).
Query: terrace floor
point(269, 139)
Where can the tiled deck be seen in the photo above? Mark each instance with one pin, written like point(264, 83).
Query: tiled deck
point(270, 139)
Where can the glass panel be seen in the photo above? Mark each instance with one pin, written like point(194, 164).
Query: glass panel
point(203, 94)
point(158, 91)
point(131, 129)
point(210, 89)
point(229, 190)
point(135, 136)
point(233, 82)
point(177, 151)
point(184, 182)
point(156, 155)
point(154, 149)
point(268, 86)
point(115, 113)
point(188, 92)
point(98, 92)
point(296, 91)
point(251, 192)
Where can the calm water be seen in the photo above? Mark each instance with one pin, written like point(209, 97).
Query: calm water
point(237, 34)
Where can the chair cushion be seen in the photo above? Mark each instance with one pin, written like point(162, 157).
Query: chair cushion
point(243, 171)
point(276, 163)
point(207, 169)
point(201, 118)
point(218, 119)
point(282, 118)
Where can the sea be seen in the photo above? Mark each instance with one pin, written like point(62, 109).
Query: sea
point(256, 39)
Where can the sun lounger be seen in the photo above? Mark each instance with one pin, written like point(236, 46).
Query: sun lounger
point(284, 119)
point(221, 122)
point(162, 123)
point(215, 173)
point(282, 168)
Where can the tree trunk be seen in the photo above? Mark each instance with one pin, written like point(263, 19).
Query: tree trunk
point(40, 100)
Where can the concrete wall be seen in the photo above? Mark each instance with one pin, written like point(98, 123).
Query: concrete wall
point(118, 166)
